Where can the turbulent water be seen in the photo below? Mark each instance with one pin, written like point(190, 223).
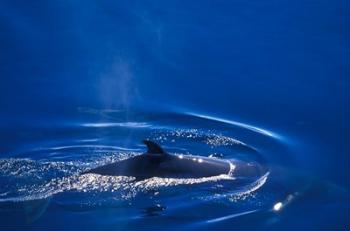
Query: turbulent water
point(40, 176)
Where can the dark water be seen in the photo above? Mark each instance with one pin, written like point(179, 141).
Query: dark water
point(261, 84)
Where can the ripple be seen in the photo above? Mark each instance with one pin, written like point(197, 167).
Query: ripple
point(124, 124)
point(238, 124)
point(52, 167)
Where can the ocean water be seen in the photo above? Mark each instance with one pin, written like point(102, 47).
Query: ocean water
point(259, 84)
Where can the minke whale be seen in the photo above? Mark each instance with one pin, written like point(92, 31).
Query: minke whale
point(158, 163)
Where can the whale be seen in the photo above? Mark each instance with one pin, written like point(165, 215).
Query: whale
point(156, 162)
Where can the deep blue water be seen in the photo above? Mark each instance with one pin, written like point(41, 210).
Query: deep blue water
point(259, 83)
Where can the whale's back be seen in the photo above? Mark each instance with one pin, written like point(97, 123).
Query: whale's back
point(157, 163)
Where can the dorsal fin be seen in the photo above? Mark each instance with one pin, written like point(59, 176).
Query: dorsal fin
point(153, 148)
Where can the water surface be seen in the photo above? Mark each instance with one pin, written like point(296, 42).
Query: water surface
point(41, 174)
point(260, 83)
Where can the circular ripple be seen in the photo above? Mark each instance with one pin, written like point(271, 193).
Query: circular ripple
point(51, 167)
